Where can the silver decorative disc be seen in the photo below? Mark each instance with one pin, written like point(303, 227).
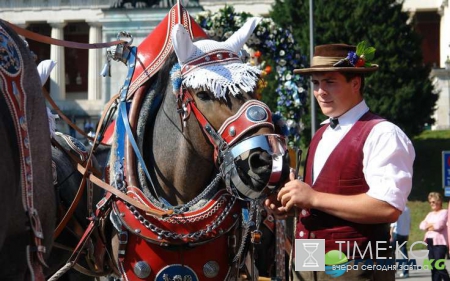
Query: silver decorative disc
point(232, 131)
point(256, 113)
point(142, 269)
point(211, 269)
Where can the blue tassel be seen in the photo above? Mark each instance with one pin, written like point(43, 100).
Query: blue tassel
point(175, 76)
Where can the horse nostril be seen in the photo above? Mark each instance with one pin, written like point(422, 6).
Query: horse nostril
point(260, 162)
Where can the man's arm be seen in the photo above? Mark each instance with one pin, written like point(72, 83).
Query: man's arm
point(360, 208)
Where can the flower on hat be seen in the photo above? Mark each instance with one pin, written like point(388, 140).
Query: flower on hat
point(361, 58)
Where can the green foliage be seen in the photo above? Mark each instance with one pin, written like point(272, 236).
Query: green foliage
point(400, 90)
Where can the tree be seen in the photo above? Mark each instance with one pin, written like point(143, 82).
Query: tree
point(401, 90)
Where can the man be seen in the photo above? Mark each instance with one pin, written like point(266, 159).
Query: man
point(358, 171)
point(399, 238)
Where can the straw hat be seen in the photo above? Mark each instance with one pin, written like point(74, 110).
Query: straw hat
point(341, 57)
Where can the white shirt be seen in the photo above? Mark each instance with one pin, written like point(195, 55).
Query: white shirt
point(403, 224)
point(388, 157)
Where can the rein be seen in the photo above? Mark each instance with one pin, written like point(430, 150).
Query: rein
point(87, 171)
point(51, 41)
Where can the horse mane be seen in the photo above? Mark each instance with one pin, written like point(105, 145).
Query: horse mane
point(159, 89)
point(152, 102)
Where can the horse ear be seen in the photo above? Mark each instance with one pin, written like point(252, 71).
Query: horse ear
point(182, 43)
point(238, 39)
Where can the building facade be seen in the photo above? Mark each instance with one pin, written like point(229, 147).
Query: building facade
point(79, 90)
point(432, 19)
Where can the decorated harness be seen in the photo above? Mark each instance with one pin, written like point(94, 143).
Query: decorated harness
point(178, 245)
point(11, 82)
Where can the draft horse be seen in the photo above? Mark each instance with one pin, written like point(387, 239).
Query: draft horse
point(201, 157)
point(27, 204)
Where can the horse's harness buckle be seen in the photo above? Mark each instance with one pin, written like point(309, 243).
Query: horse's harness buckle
point(119, 52)
point(123, 237)
point(35, 223)
point(183, 106)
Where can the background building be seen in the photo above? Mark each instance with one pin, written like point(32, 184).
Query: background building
point(433, 23)
point(81, 92)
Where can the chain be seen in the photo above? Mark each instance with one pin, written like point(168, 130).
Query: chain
point(246, 226)
point(186, 207)
point(173, 235)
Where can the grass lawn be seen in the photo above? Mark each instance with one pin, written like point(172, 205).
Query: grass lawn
point(427, 177)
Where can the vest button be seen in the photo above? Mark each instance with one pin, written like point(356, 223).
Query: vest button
point(304, 212)
point(312, 235)
point(301, 234)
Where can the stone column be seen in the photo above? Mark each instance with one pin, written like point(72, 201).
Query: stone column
point(95, 62)
point(58, 75)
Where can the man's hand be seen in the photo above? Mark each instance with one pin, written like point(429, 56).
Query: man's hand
point(295, 193)
point(274, 207)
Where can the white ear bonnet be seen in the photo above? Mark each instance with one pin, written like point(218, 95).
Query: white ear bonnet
point(214, 65)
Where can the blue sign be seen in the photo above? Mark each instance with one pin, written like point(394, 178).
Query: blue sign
point(447, 192)
point(445, 169)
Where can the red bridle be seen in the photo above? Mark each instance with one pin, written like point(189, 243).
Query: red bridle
point(251, 115)
point(230, 142)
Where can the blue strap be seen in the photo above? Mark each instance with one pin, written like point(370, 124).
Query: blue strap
point(124, 125)
point(124, 115)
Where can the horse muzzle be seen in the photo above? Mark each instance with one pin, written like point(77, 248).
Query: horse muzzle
point(254, 167)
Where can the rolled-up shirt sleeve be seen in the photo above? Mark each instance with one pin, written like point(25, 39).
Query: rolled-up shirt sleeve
point(388, 164)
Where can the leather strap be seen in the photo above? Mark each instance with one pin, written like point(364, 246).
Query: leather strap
point(123, 196)
point(61, 114)
point(62, 224)
point(70, 44)
point(86, 172)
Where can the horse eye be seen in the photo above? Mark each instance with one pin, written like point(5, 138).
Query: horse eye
point(204, 96)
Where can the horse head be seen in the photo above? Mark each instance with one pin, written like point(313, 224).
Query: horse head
point(224, 126)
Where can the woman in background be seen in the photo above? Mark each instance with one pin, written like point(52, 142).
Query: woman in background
point(435, 225)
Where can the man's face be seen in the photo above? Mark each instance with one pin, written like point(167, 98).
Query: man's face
point(334, 93)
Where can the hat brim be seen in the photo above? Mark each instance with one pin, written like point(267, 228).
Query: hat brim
point(306, 71)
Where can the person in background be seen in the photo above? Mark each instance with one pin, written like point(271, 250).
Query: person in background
point(359, 166)
point(435, 225)
point(399, 238)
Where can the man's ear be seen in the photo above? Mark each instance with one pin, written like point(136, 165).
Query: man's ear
point(356, 83)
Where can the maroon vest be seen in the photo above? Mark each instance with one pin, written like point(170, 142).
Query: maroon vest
point(341, 174)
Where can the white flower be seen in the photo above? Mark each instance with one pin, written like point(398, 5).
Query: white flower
point(219, 32)
point(228, 34)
